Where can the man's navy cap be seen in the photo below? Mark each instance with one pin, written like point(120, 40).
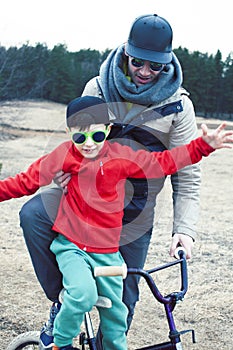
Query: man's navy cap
point(150, 38)
point(82, 107)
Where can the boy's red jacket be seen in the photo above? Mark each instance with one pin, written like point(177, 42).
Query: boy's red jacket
point(90, 214)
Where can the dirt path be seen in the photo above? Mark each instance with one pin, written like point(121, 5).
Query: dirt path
point(208, 306)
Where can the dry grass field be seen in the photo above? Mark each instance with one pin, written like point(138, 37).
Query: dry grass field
point(29, 129)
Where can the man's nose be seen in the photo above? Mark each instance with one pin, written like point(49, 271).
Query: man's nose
point(145, 70)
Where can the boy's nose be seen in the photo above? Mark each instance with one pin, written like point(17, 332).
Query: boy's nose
point(89, 141)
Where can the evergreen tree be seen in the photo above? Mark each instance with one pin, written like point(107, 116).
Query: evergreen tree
point(61, 82)
point(227, 87)
point(86, 65)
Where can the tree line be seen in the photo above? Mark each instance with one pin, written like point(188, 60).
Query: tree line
point(37, 72)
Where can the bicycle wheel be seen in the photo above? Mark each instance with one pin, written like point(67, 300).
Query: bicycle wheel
point(26, 341)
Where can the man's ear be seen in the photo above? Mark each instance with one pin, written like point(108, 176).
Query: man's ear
point(125, 51)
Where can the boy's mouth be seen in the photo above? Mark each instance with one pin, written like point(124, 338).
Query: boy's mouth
point(88, 150)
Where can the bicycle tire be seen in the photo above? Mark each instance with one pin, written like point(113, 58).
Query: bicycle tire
point(26, 341)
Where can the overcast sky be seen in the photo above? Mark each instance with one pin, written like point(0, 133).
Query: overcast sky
point(202, 25)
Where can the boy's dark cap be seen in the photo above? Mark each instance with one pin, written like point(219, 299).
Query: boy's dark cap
point(93, 106)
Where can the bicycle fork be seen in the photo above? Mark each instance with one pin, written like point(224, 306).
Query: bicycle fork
point(174, 334)
point(88, 338)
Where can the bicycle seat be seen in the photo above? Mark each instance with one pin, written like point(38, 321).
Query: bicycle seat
point(103, 302)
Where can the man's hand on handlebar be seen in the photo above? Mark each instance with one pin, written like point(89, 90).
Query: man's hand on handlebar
point(62, 179)
point(184, 241)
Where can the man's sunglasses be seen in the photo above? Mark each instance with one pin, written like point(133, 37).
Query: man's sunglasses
point(155, 66)
point(97, 136)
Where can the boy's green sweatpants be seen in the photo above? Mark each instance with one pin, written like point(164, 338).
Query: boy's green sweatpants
point(81, 293)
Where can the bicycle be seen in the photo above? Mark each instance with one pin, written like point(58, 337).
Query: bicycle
point(30, 340)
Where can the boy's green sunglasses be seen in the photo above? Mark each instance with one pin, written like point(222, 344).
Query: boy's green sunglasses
point(97, 136)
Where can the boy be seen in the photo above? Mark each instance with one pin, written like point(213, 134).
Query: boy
point(89, 218)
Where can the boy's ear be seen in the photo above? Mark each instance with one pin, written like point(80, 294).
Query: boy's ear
point(109, 127)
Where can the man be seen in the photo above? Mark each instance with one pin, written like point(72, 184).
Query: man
point(141, 82)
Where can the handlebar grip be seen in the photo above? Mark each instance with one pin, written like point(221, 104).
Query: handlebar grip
point(179, 251)
point(111, 271)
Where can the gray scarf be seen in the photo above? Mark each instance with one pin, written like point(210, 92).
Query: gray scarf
point(117, 89)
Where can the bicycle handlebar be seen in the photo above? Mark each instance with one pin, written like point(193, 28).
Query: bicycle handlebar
point(123, 271)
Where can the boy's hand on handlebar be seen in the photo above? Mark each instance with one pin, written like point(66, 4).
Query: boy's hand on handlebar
point(62, 179)
point(217, 139)
point(184, 241)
